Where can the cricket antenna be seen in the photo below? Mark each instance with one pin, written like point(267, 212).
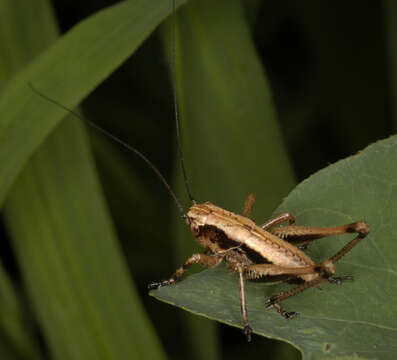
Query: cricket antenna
point(176, 110)
point(119, 141)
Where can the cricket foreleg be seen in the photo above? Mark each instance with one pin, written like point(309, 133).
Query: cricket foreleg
point(243, 304)
point(205, 260)
point(303, 235)
point(248, 204)
point(278, 220)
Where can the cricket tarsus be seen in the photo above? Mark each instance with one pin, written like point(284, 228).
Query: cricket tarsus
point(158, 284)
point(338, 280)
point(247, 332)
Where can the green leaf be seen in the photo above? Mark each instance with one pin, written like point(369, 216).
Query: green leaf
point(357, 320)
point(68, 71)
point(20, 40)
point(13, 322)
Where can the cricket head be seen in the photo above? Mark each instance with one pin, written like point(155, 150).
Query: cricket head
point(198, 221)
point(197, 217)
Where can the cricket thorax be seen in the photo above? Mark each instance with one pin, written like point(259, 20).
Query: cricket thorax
point(218, 230)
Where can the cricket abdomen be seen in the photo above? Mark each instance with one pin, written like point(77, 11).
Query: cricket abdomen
point(244, 231)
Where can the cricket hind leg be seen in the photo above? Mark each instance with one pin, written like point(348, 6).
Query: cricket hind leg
point(258, 270)
point(362, 229)
point(274, 301)
point(325, 269)
point(203, 259)
point(326, 274)
point(301, 236)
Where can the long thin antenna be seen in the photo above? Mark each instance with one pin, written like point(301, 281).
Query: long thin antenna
point(176, 111)
point(119, 141)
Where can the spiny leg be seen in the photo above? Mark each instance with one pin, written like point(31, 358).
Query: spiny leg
point(302, 235)
point(248, 204)
point(275, 300)
point(278, 220)
point(325, 269)
point(362, 229)
point(258, 270)
point(206, 260)
point(243, 304)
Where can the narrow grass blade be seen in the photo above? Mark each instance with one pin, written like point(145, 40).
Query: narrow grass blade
point(67, 72)
point(71, 264)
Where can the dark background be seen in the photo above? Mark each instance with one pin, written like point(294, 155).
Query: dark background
point(327, 63)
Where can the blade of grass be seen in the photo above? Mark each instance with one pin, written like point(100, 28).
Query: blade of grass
point(71, 263)
point(68, 71)
point(20, 40)
point(14, 325)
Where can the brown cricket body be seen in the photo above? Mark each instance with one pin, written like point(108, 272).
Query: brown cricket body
point(243, 231)
point(250, 250)
point(255, 251)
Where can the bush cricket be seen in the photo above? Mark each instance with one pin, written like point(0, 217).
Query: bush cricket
point(252, 251)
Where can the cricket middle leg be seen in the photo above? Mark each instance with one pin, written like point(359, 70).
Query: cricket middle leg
point(243, 304)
